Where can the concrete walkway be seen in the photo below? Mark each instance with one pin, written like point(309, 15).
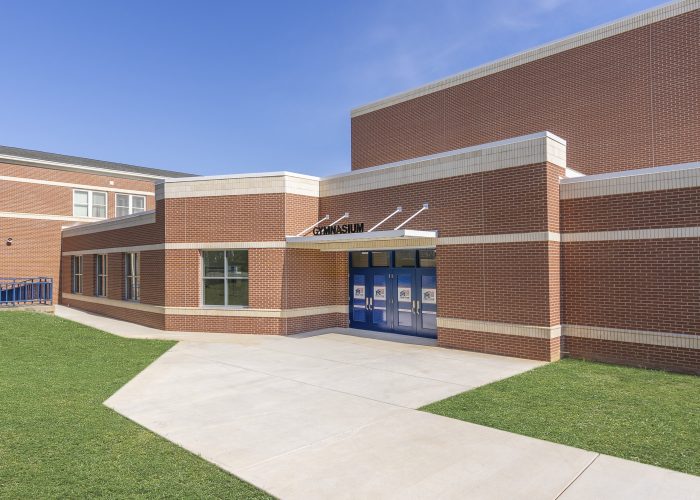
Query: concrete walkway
point(332, 415)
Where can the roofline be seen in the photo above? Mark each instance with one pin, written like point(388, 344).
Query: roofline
point(585, 37)
point(33, 162)
point(632, 173)
point(281, 173)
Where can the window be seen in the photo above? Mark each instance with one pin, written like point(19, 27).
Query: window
point(133, 276)
point(89, 203)
point(225, 278)
point(76, 269)
point(405, 258)
point(359, 259)
point(128, 204)
point(381, 259)
point(426, 258)
point(101, 275)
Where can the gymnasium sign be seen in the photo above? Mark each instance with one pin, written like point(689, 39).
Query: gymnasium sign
point(339, 229)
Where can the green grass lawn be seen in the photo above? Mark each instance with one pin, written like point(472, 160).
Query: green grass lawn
point(643, 415)
point(58, 440)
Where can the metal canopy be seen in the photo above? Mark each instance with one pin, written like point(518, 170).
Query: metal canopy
point(397, 238)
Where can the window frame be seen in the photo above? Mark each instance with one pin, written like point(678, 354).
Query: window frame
point(226, 278)
point(90, 203)
point(132, 276)
point(101, 278)
point(76, 278)
point(130, 206)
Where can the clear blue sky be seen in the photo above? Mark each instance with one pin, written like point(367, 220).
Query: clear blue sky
point(214, 87)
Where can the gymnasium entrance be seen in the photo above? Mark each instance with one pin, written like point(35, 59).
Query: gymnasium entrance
point(394, 291)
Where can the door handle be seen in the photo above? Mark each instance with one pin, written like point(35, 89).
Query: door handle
point(417, 306)
point(413, 306)
point(367, 303)
point(371, 303)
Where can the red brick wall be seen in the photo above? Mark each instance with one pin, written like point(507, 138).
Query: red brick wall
point(35, 249)
point(504, 345)
point(640, 355)
point(624, 102)
point(510, 200)
point(654, 209)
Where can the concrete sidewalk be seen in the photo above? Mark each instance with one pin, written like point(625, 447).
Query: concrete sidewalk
point(332, 415)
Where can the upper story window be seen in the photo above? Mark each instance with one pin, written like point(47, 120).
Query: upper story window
point(101, 275)
point(225, 278)
point(89, 203)
point(128, 204)
point(76, 265)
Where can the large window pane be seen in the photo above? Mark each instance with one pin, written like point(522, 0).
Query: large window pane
point(405, 258)
point(139, 203)
point(238, 292)
point(426, 258)
point(214, 292)
point(360, 259)
point(380, 259)
point(237, 263)
point(214, 264)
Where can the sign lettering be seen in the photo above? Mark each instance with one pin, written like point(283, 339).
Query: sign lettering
point(339, 229)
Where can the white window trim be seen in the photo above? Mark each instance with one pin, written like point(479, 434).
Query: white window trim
point(130, 206)
point(225, 278)
point(90, 203)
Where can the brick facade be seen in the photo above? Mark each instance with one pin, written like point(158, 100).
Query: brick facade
point(627, 101)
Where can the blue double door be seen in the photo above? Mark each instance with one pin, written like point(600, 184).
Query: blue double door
point(400, 300)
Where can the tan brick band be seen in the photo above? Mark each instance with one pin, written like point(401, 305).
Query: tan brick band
point(210, 311)
point(540, 332)
point(681, 340)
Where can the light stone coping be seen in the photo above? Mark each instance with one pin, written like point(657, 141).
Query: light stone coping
point(583, 38)
point(681, 176)
point(242, 184)
point(133, 220)
point(633, 234)
point(73, 186)
point(242, 312)
point(681, 340)
point(63, 218)
point(518, 151)
point(514, 152)
point(499, 238)
point(540, 332)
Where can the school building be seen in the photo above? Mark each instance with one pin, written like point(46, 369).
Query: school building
point(543, 205)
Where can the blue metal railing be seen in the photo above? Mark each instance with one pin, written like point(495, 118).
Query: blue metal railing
point(26, 291)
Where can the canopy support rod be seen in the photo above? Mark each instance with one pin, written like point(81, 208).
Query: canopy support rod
point(425, 207)
point(397, 211)
point(313, 226)
point(345, 216)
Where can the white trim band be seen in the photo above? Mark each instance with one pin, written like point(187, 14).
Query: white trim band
point(633, 234)
point(212, 311)
point(74, 186)
point(63, 218)
point(500, 238)
point(519, 151)
point(682, 340)
point(681, 176)
point(240, 184)
point(540, 332)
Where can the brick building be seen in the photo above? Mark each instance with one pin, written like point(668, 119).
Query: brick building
point(544, 205)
